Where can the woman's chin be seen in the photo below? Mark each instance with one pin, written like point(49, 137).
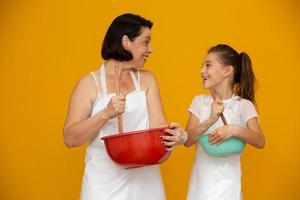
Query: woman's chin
point(138, 65)
point(206, 86)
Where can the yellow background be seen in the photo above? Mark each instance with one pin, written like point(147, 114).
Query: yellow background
point(45, 46)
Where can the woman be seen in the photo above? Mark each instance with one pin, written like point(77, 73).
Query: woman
point(94, 106)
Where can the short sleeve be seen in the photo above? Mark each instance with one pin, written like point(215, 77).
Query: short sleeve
point(248, 111)
point(195, 106)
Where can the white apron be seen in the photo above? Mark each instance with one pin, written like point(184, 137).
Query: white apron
point(216, 178)
point(104, 179)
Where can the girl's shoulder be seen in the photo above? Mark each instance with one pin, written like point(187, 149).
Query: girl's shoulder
point(202, 99)
point(243, 103)
point(241, 100)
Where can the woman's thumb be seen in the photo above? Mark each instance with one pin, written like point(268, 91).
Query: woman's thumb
point(124, 94)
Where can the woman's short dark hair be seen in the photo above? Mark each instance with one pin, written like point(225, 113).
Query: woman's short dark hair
point(126, 24)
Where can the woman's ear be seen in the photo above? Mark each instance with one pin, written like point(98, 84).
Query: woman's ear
point(228, 70)
point(125, 42)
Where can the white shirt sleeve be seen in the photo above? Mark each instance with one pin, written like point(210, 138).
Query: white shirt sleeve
point(195, 107)
point(248, 111)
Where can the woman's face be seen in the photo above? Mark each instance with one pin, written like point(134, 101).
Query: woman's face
point(140, 47)
point(213, 72)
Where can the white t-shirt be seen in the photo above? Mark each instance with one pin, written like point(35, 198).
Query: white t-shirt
point(243, 108)
point(215, 178)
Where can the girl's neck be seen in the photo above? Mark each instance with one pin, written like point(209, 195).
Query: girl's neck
point(222, 94)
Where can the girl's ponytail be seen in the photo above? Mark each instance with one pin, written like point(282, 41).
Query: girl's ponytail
point(246, 83)
point(244, 78)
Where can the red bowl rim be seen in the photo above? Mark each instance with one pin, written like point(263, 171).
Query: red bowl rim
point(136, 132)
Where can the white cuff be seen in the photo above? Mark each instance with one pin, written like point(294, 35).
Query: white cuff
point(184, 137)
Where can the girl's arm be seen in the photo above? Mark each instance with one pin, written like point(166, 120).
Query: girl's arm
point(195, 129)
point(252, 134)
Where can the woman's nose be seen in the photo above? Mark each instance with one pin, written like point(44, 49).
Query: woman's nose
point(202, 70)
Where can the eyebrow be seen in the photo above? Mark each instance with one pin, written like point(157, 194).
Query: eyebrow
point(208, 61)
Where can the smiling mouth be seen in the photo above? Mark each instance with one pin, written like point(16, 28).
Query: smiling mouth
point(146, 57)
point(204, 78)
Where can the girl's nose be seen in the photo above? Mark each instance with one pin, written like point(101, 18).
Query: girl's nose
point(150, 49)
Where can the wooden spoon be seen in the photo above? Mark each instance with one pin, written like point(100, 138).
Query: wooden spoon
point(117, 73)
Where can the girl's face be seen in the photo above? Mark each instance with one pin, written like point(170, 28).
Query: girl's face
point(140, 48)
point(213, 72)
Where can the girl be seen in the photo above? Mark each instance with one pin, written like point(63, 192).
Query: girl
point(229, 77)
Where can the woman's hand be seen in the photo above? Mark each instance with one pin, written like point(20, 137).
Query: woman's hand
point(178, 136)
point(115, 106)
point(221, 134)
point(216, 109)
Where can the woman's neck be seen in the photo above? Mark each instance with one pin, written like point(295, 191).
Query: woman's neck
point(112, 66)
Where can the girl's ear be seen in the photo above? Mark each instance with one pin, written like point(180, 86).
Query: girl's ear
point(228, 71)
point(125, 42)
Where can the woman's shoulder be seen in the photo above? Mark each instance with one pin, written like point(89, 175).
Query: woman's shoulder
point(89, 79)
point(86, 85)
point(147, 79)
point(145, 74)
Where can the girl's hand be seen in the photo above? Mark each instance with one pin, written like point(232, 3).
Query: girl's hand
point(115, 106)
point(178, 136)
point(221, 134)
point(216, 109)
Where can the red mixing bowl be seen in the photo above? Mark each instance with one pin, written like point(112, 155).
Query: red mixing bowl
point(137, 148)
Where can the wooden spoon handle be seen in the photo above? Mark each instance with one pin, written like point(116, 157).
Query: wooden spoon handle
point(117, 77)
point(223, 119)
point(221, 115)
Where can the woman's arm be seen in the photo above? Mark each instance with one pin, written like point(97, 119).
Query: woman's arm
point(156, 113)
point(155, 109)
point(79, 127)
